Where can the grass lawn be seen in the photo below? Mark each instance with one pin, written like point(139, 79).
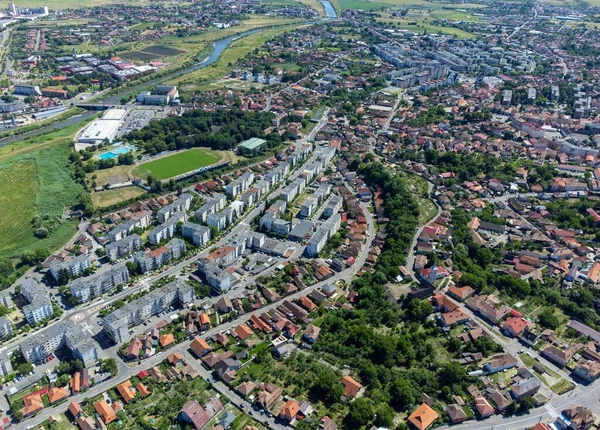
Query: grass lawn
point(562, 386)
point(111, 197)
point(176, 164)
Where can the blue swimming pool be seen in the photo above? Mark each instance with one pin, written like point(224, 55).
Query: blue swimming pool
point(114, 153)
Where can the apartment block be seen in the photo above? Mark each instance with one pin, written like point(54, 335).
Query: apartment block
point(85, 289)
point(239, 185)
point(167, 229)
point(333, 206)
point(152, 260)
point(116, 324)
point(182, 204)
point(74, 266)
point(38, 347)
point(140, 220)
point(322, 235)
point(123, 247)
point(213, 205)
point(198, 234)
point(39, 307)
point(5, 327)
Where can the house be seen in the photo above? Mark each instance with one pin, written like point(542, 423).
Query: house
point(456, 413)
point(166, 340)
point(588, 370)
point(351, 387)
point(514, 326)
point(497, 398)
point(107, 414)
point(423, 417)
point(483, 407)
point(198, 416)
point(268, 395)
point(245, 388)
point(200, 347)
point(242, 332)
point(75, 409)
point(560, 357)
point(311, 334)
point(57, 394)
point(577, 418)
point(126, 391)
point(461, 293)
point(327, 424)
point(500, 362)
point(175, 359)
point(524, 384)
point(142, 389)
point(32, 404)
point(289, 411)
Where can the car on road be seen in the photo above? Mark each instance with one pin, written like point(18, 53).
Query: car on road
point(521, 351)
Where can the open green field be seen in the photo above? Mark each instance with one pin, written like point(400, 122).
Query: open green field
point(112, 197)
point(176, 164)
point(209, 77)
point(35, 178)
point(422, 24)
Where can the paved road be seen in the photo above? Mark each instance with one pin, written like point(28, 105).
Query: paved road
point(126, 371)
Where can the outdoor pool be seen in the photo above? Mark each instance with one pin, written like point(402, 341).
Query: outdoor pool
point(114, 153)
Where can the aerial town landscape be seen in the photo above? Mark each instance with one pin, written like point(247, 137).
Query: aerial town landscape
point(300, 214)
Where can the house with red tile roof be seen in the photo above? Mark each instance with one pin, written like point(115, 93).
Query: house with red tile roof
point(107, 414)
point(423, 417)
point(351, 386)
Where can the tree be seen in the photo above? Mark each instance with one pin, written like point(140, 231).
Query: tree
point(24, 368)
point(548, 319)
point(109, 365)
point(360, 413)
point(404, 395)
point(63, 380)
point(385, 416)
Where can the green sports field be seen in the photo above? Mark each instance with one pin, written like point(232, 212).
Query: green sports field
point(176, 164)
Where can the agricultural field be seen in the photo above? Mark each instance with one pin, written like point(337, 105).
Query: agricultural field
point(176, 164)
point(36, 179)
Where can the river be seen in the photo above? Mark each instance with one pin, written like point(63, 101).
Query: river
point(329, 9)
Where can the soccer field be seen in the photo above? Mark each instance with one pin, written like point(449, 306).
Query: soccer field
point(176, 164)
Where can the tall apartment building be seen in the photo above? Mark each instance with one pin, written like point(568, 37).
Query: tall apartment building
point(123, 247)
point(182, 204)
point(213, 205)
point(74, 266)
point(167, 229)
point(5, 327)
point(65, 333)
point(140, 220)
point(199, 234)
point(239, 185)
point(39, 307)
point(116, 324)
point(322, 235)
point(85, 289)
point(152, 260)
